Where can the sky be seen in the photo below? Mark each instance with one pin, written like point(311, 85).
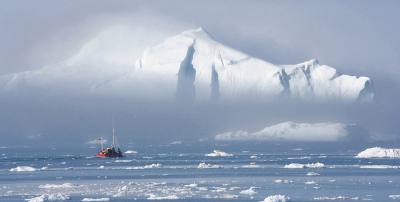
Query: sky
point(356, 37)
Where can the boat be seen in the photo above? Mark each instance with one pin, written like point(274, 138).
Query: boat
point(111, 152)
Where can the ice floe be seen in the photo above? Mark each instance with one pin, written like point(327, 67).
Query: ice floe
point(130, 152)
point(207, 165)
point(23, 169)
point(155, 197)
point(312, 174)
point(277, 198)
point(309, 165)
point(219, 153)
point(49, 197)
point(394, 196)
point(249, 191)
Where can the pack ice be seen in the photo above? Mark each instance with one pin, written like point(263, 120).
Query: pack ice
point(191, 65)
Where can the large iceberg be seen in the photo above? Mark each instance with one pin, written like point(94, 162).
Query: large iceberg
point(379, 152)
point(191, 66)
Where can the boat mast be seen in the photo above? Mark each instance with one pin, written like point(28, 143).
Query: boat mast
point(113, 132)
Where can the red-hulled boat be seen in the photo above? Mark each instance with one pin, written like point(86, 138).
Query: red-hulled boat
point(112, 152)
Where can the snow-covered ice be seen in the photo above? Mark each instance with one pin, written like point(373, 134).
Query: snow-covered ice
point(49, 197)
point(250, 191)
point(219, 153)
point(309, 165)
point(276, 198)
point(291, 131)
point(130, 152)
point(207, 165)
point(23, 169)
point(379, 152)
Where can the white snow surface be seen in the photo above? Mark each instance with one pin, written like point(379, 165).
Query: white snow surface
point(291, 131)
point(23, 169)
point(219, 153)
point(379, 152)
point(277, 198)
point(191, 63)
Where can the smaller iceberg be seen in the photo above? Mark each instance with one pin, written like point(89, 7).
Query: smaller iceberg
point(23, 169)
point(277, 198)
point(219, 153)
point(379, 152)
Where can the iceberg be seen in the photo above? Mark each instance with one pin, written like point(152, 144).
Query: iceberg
point(309, 165)
point(207, 165)
point(291, 131)
point(277, 198)
point(379, 152)
point(191, 65)
point(23, 169)
point(249, 191)
point(219, 153)
point(49, 197)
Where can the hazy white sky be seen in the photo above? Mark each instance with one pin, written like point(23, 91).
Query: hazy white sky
point(355, 36)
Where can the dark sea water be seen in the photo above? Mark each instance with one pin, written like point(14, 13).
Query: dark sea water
point(165, 172)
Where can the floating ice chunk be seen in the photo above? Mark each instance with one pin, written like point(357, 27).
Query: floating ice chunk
point(219, 153)
point(277, 198)
point(122, 161)
point(154, 165)
point(312, 174)
point(379, 152)
point(207, 165)
point(96, 199)
point(249, 191)
point(310, 182)
point(294, 165)
point(397, 196)
point(58, 186)
point(49, 197)
point(251, 165)
point(23, 169)
point(315, 165)
point(130, 152)
point(309, 165)
point(191, 185)
point(282, 181)
point(155, 197)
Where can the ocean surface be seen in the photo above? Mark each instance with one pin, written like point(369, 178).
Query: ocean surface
point(167, 173)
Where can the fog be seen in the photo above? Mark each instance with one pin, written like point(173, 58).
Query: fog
point(358, 38)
